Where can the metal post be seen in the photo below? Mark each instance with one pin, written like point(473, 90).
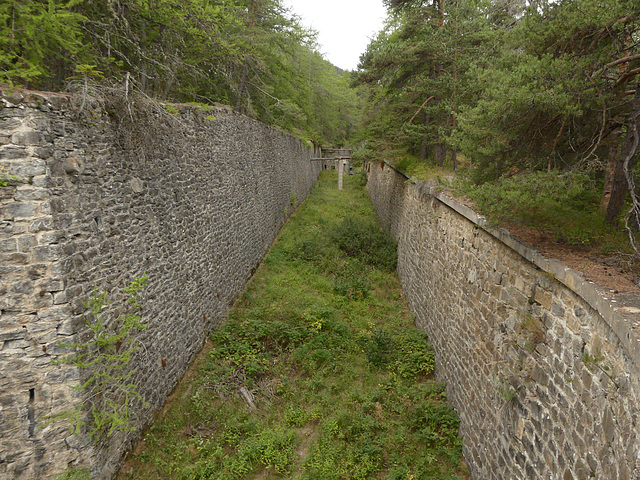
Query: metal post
point(340, 173)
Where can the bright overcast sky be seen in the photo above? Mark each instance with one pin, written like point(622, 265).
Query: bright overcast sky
point(345, 27)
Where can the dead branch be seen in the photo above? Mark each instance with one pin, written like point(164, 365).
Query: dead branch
point(421, 107)
point(627, 76)
point(597, 143)
point(267, 94)
point(248, 397)
point(629, 58)
point(634, 212)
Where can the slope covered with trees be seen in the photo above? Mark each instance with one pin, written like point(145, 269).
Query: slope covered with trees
point(251, 54)
point(511, 88)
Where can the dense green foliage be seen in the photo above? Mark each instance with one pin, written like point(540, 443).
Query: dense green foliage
point(565, 206)
point(366, 241)
point(341, 383)
point(251, 54)
point(507, 87)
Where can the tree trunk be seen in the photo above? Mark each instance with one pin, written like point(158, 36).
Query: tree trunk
point(245, 67)
point(425, 143)
point(243, 82)
point(616, 187)
point(439, 153)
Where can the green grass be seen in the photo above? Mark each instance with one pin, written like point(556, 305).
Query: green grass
point(323, 341)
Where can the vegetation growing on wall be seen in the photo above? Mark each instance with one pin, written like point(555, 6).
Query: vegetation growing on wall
point(103, 354)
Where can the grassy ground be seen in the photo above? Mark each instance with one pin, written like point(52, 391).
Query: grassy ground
point(317, 374)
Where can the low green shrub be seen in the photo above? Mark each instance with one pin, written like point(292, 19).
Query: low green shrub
point(250, 344)
point(406, 352)
point(564, 204)
point(352, 285)
point(367, 242)
point(378, 348)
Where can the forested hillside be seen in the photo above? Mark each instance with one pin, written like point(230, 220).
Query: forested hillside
point(538, 97)
point(253, 55)
point(536, 100)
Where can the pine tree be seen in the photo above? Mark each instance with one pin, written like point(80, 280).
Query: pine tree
point(37, 38)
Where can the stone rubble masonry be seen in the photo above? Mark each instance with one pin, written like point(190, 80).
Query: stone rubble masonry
point(541, 365)
point(195, 209)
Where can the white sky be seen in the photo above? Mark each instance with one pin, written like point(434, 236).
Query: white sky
point(345, 27)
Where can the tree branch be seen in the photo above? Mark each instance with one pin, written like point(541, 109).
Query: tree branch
point(421, 107)
point(629, 58)
point(627, 76)
point(634, 212)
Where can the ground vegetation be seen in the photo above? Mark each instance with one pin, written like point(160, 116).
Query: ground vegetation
point(318, 373)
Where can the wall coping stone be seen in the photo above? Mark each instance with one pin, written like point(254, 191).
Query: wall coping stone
point(621, 313)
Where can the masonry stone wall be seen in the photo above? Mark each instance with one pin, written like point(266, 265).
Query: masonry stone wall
point(192, 199)
point(542, 366)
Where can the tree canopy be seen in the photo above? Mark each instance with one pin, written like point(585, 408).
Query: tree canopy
point(509, 86)
point(250, 54)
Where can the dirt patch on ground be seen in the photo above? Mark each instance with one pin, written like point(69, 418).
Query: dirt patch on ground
point(617, 272)
point(307, 436)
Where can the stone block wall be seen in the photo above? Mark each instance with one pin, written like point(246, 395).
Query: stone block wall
point(542, 366)
point(192, 199)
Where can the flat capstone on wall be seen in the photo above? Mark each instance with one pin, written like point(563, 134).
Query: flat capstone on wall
point(93, 196)
point(542, 366)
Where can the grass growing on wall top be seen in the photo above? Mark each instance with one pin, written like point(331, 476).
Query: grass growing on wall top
point(318, 373)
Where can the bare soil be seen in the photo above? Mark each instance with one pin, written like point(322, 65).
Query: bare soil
point(618, 272)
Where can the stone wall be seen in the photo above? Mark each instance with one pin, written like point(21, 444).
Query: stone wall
point(192, 199)
point(542, 366)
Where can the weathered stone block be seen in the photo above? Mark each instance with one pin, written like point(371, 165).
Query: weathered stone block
point(14, 258)
point(558, 270)
point(9, 245)
point(25, 286)
point(15, 345)
point(574, 280)
point(557, 309)
point(543, 297)
point(41, 224)
point(11, 152)
point(590, 294)
point(26, 193)
point(26, 243)
point(46, 253)
point(16, 333)
point(18, 210)
point(51, 285)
